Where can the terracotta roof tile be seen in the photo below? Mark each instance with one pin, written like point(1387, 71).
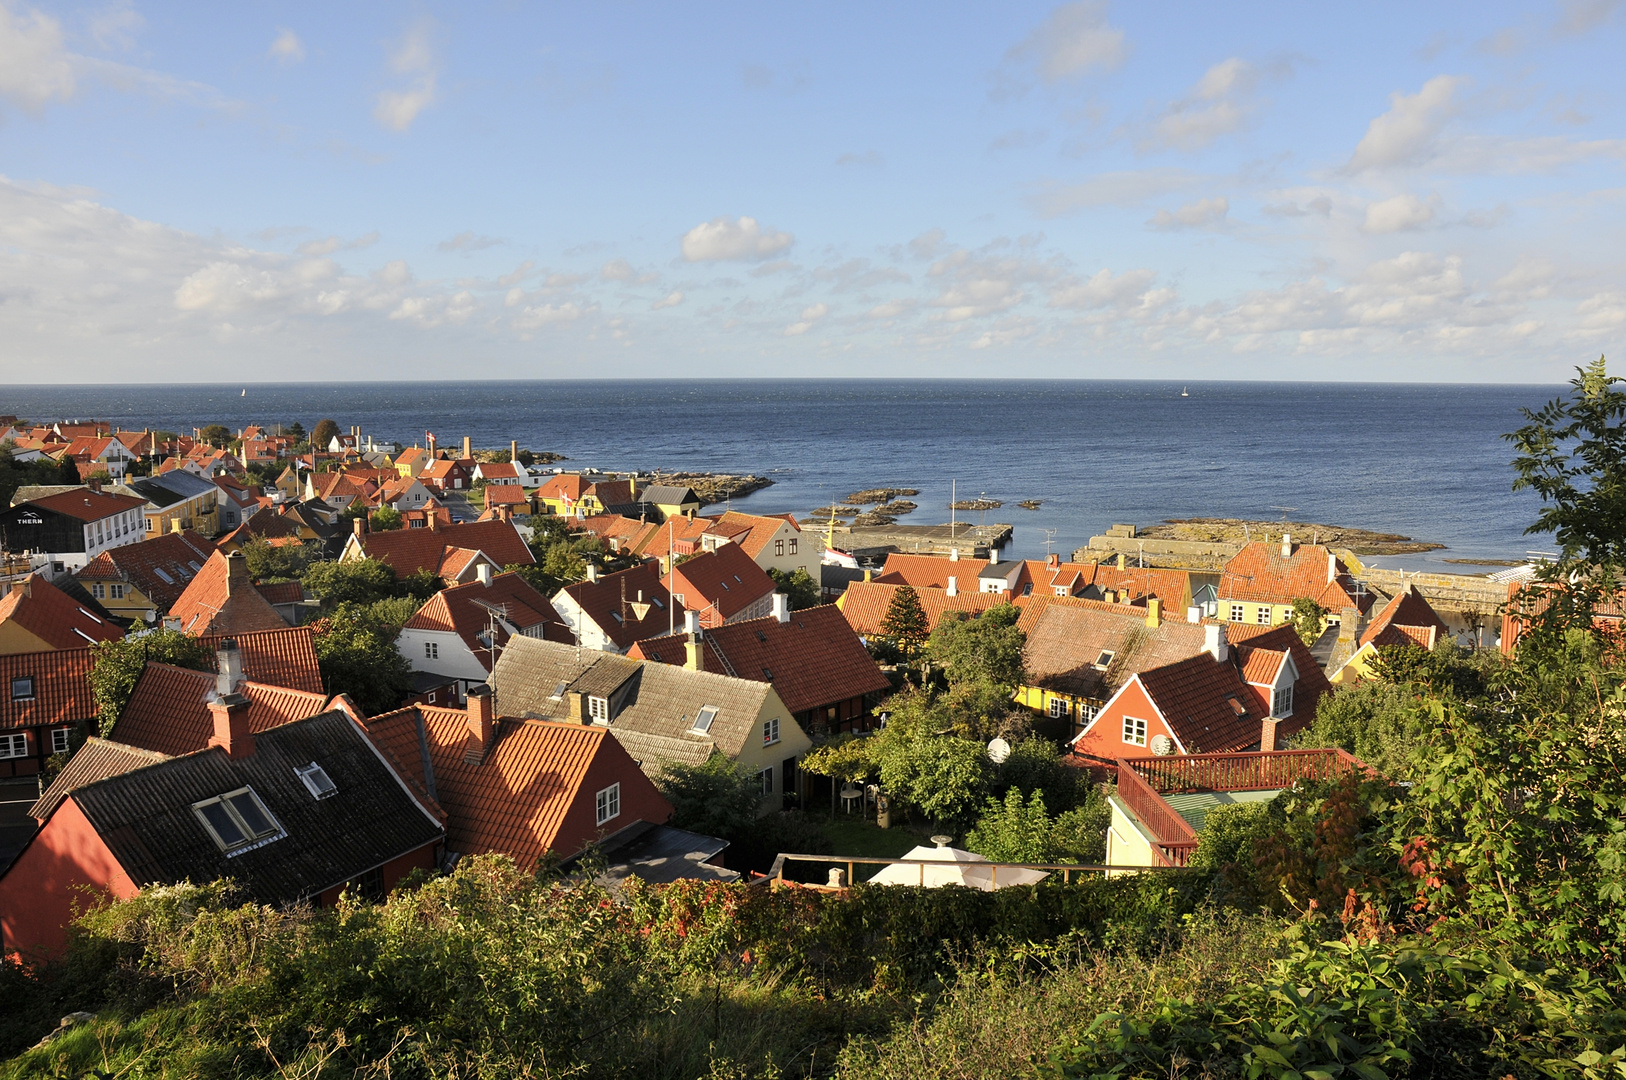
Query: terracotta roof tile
point(222, 600)
point(865, 603)
point(752, 531)
point(54, 617)
point(468, 610)
point(178, 555)
point(719, 584)
point(87, 505)
point(168, 712)
point(1406, 619)
point(407, 551)
point(1259, 572)
point(814, 659)
point(608, 603)
point(281, 657)
point(61, 685)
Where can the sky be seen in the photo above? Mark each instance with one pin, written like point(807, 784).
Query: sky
point(362, 191)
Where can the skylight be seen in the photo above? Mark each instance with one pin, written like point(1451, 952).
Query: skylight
point(238, 821)
point(1105, 658)
point(316, 780)
point(166, 578)
point(703, 719)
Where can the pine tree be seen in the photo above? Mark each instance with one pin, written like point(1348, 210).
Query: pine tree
point(905, 621)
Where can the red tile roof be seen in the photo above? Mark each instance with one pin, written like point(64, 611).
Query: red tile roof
point(931, 571)
point(567, 486)
point(281, 592)
point(61, 688)
point(813, 660)
point(1069, 636)
point(1407, 619)
point(285, 657)
point(53, 616)
point(179, 555)
point(506, 495)
point(168, 712)
point(407, 551)
point(602, 602)
point(469, 610)
point(87, 505)
point(719, 584)
point(222, 600)
point(621, 533)
point(1260, 573)
point(681, 535)
point(752, 531)
point(865, 603)
point(516, 798)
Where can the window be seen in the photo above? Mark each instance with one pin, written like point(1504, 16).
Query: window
point(1134, 731)
point(59, 740)
point(149, 524)
point(778, 547)
point(431, 698)
point(1262, 616)
point(98, 591)
point(703, 719)
point(1237, 614)
point(1105, 658)
point(766, 776)
point(770, 731)
point(316, 780)
point(1027, 590)
point(1059, 707)
point(238, 821)
point(13, 746)
point(1281, 701)
point(793, 545)
point(1087, 711)
point(431, 650)
point(608, 803)
point(22, 688)
point(599, 709)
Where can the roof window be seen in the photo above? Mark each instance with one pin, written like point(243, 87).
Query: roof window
point(1105, 658)
point(167, 580)
point(238, 821)
point(766, 674)
point(703, 719)
point(22, 688)
point(1237, 706)
point(316, 779)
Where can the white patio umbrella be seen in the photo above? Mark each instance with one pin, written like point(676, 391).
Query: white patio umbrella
point(954, 866)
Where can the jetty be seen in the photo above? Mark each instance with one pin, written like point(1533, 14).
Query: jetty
point(972, 541)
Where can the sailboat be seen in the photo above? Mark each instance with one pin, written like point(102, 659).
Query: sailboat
point(1184, 392)
point(244, 393)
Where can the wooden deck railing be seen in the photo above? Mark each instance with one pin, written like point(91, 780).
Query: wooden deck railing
point(1238, 772)
point(1176, 839)
point(776, 874)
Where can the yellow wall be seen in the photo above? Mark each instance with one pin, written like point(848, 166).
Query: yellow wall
point(1279, 613)
point(1127, 842)
point(1357, 667)
point(133, 605)
point(14, 639)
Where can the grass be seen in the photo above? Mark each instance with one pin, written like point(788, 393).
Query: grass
point(853, 835)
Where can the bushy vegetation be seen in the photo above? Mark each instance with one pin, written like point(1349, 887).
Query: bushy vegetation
point(117, 665)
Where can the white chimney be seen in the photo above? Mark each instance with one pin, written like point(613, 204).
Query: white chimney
point(1214, 641)
point(229, 667)
point(781, 607)
point(993, 553)
point(1287, 545)
point(592, 572)
point(1194, 614)
point(1332, 566)
point(953, 586)
point(954, 554)
point(482, 573)
point(691, 622)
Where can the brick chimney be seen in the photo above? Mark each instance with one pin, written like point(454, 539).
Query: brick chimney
point(1267, 733)
point(431, 519)
point(95, 483)
point(481, 717)
point(229, 668)
point(1052, 561)
point(360, 525)
point(237, 573)
point(1154, 612)
point(577, 713)
point(1214, 641)
point(781, 607)
point(232, 733)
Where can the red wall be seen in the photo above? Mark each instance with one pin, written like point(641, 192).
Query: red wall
point(40, 891)
point(394, 870)
point(640, 801)
point(1105, 737)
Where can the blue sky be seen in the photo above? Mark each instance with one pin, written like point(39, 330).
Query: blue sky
point(363, 191)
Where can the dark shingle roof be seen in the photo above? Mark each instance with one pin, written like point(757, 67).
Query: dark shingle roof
point(97, 760)
point(145, 816)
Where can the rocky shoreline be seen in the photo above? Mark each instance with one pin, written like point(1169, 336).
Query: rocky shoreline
point(1241, 531)
point(712, 487)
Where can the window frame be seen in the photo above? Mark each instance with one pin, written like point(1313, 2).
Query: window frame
point(709, 720)
point(607, 803)
point(1134, 731)
point(1238, 613)
point(1262, 616)
point(1059, 707)
point(770, 731)
point(61, 740)
point(598, 709)
point(765, 778)
point(10, 743)
point(431, 650)
point(252, 839)
point(308, 774)
point(1278, 697)
point(31, 691)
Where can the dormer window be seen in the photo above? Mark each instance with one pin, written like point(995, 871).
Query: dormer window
point(598, 710)
point(316, 780)
point(1281, 701)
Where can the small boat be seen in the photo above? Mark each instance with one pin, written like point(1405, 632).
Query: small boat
point(244, 393)
point(1184, 392)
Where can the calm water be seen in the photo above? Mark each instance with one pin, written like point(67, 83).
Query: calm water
point(1426, 461)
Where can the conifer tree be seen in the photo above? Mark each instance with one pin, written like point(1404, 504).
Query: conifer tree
point(905, 621)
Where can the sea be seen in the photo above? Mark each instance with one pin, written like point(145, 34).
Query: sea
point(1425, 461)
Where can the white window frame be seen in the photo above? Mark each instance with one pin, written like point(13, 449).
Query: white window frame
point(607, 804)
point(770, 731)
point(1087, 712)
point(1238, 613)
point(1262, 616)
point(61, 740)
point(431, 650)
point(598, 709)
point(793, 545)
point(1134, 731)
point(765, 777)
point(252, 839)
point(1059, 707)
point(313, 776)
point(14, 746)
point(1281, 701)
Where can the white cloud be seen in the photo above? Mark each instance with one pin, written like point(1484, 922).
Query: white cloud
point(1075, 39)
point(1102, 290)
point(869, 158)
point(1531, 278)
point(1218, 105)
point(114, 27)
point(1129, 188)
point(535, 317)
point(414, 55)
point(1194, 215)
point(1582, 16)
point(670, 300)
point(1401, 213)
point(468, 241)
point(622, 270)
point(733, 239)
point(1406, 134)
point(34, 68)
point(329, 244)
point(891, 309)
point(810, 315)
point(286, 48)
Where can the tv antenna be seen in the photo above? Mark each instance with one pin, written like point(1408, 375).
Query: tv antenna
point(1049, 540)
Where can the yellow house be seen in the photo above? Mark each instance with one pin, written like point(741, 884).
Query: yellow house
point(413, 461)
point(670, 500)
point(141, 582)
point(36, 616)
point(1260, 584)
point(1407, 619)
point(177, 500)
point(576, 496)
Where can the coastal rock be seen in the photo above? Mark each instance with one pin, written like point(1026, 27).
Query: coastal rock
point(880, 495)
point(1029, 504)
point(976, 504)
point(896, 506)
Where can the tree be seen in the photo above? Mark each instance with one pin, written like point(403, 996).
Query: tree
point(357, 581)
point(1377, 721)
point(1034, 765)
point(718, 798)
point(1016, 830)
point(324, 433)
point(357, 656)
point(118, 664)
point(986, 648)
point(274, 562)
point(905, 621)
point(384, 519)
point(1307, 618)
point(296, 431)
point(799, 586)
point(216, 435)
point(67, 471)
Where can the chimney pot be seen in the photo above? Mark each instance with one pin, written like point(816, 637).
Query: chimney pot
point(1332, 566)
point(954, 554)
point(781, 607)
point(468, 448)
point(1121, 561)
point(482, 715)
point(691, 622)
point(1214, 641)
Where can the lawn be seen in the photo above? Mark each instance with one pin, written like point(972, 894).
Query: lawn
point(852, 835)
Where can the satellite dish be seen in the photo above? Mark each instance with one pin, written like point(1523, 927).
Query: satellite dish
point(1162, 745)
point(998, 751)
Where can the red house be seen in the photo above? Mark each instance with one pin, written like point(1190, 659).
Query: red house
point(721, 586)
